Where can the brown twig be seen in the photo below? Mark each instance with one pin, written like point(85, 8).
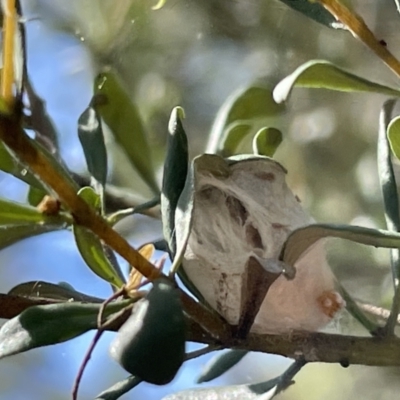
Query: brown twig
point(315, 347)
point(356, 25)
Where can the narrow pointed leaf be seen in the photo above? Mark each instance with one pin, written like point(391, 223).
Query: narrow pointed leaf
point(174, 177)
point(315, 11)
point(119, 389)
point(10, 234)
point(51, 291)
point(219, 364)
point(389, 132)
point(50, 324)
point(303, 238)
point(122, 117)
point(246, 109)
point(256, 391)
point(91, 248)
point(320, 74)
point(90, 134)
point(266, 141)
point(12, 213)
point(151, 343)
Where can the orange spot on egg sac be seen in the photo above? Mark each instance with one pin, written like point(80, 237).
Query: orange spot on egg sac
point(330, 302)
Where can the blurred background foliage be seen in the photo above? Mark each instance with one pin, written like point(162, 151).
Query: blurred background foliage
point(194, 54)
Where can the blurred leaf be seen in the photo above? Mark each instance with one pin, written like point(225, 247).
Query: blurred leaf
point(266, 141)
point(246, 109)
point(174, 177)
point(90, 246)
point(232, 137)
point(35, 195)
point(119, 389)
point(51, 291)
point(393, 134)
point(50, 324)
point(315, 11)
point(151, 343)
point(90, 134)
point(10, 234)
point(219, 364)
point(256, 391)
point(303, 238)
point(320, 74)
point(12, 213)
point(389, 132)
point(39, 120)
point(397, 2)
point(159, 5)
point(123, 118)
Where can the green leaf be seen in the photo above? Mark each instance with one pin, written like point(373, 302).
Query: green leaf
point(315, 11)
point(57, 164)
point(303, 238)
point(266, 141)
point(51, 291)
point(174, 177)
point(39, 326)
point(90, 246)
point(91, 197)
point(219, 364)
point(387, 130)
point(151, 343)
point(245, 111)
point(10, 234)
point(320, 74)
point(119, 389)
point(123, 118)
point(90, 134)
point(12, 213)
point(10, 165)
point(35, 196)
point(393, 135)
point(232, 137)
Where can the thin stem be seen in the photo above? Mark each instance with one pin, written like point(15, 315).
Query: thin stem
point(356, 25)
point(84, 363)
point(353, 308)
point(9, 31)
point(286, 379)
